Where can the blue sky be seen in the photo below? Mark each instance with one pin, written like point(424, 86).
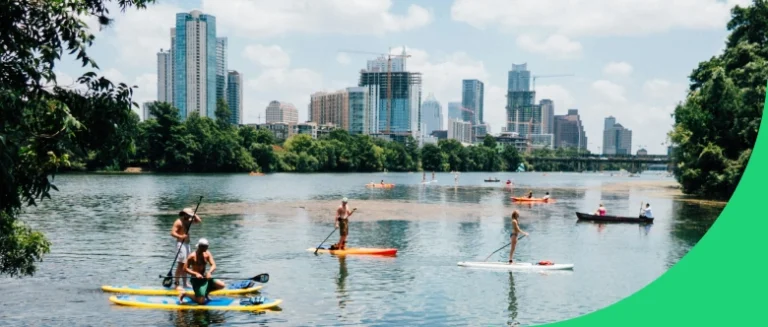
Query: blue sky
point(629, 58)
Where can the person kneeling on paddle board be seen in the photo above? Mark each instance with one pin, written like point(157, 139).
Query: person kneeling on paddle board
point(180, 231)
point(515, 231)
point(342, 223)
point(202, 282)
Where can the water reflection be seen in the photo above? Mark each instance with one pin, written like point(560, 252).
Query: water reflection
point(341, 292)
point(512, 298)
point(195, 318)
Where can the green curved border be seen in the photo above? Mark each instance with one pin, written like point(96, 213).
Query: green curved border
point(723, 279)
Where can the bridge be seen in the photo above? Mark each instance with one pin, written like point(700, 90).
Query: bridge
point(596, 161)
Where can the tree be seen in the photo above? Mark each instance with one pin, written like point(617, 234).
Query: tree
point(716, 127)
point(42, 122)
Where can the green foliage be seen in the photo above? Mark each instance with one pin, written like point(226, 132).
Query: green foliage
point(43, 124)
point(716, 127)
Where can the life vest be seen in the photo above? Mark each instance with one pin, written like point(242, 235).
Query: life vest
point(546, 263)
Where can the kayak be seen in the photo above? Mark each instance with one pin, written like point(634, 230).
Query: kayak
point(235, 288)
point(371, 251)
point(215, 303)
point(518, 265)
point(523, 199)
point(380, 185)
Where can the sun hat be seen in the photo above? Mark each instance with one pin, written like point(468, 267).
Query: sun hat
point(202, 242)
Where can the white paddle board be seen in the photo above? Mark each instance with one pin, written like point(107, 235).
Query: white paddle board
point(516, 265)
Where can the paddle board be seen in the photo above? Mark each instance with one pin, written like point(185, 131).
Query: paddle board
point(235, 288)
point(215, 303)
point(517, 265)
point(371, 251)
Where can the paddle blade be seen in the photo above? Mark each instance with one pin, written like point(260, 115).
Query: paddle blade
point(167, 282)
point(263, 278)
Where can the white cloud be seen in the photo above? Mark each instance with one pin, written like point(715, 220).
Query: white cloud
point(137, 35)
point(609, 90)
point(621, 69)
point(272, 56)
point(554, 46)
point(343, 58)
point(663, 90)
point(560, 96)
point(594, 17)
point(266, 18)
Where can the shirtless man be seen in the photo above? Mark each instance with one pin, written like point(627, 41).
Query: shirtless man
point(179, 232)
point(202, 282)
point(342, 222)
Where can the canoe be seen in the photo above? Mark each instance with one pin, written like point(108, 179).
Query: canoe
point(524, 199)
point(235, 288)
point(517, 265)
point(370, 251)
point(638, 219)
point(491, 181)
point(379, 185)
point(215, 303)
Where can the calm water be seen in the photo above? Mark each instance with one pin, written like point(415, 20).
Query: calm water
point(114, 229)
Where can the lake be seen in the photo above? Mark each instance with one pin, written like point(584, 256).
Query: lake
point(115, 229)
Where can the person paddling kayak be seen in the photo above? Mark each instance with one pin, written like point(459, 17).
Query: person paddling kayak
point(601, 210)
point(342, 223)
point(515, 232)
point(179, 232)
point(646, 213)
point(202, 282)
point(530, 194)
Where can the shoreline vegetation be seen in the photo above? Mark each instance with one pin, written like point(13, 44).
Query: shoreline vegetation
point(47, 128)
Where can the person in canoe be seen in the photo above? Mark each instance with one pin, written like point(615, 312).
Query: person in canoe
point(530, 194)
point(179, 232)
point(646, 213)
point(546, 196)
point(600, 210)
point(509, 182)
point(382, 182)
point(515, 232)
point(202, 282)
point(342, 223)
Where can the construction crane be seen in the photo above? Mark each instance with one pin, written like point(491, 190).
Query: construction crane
point(389, 56)
point(547, 76)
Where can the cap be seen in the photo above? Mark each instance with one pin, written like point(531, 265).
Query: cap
point(203, 242)
point(345, 200)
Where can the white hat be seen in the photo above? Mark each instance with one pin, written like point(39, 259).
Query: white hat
point(345, 200)
point(203, 242)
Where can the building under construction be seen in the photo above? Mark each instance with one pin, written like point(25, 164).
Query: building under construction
point(394, 108)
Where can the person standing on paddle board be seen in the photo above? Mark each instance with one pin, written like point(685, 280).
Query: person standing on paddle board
point(342, 223)
point(179, 232)
point(202, 282)
point(515, 232)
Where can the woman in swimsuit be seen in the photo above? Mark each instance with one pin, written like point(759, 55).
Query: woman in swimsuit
point(515, 232)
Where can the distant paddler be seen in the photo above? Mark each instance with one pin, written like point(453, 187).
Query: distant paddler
point(530, 195)
point(647, 213)
point(433, 175)
point(424, 177)
point(600, 210)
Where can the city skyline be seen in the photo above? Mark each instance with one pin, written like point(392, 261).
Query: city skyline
point(617, 67)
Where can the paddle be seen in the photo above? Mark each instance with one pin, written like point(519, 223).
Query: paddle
point(262, 278)
point(169, 279)
point(334, 230)
point(508, 244)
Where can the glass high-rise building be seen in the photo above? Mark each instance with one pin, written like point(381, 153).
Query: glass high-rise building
point(221, 68)
point(194, 60)
point(235, 96)
point(454, 110)
point(472, 93)
point(403, 116)
point(164, 76)
point(519, 78)
point(431, 115)
point(358, 110)
point(547, 116)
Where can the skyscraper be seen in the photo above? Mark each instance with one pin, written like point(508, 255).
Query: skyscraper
point(164, 77)
point(547, 116)
point(403, 114)
point(235, 96)
point(454, 110)
point(194, 61)
point(472, 93)
point(221, 68)
point(282, 112)
point(358, 110)
point(380, 64)
point(431, 115)
point(569, 131)
point(519, 78)
point(330, 108)
point(616, 138)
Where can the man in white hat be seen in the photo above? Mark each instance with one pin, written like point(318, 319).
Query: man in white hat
point(342, 223)
point(179, 231)
point(202, 282)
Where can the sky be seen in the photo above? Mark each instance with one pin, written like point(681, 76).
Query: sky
point(629, 58)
